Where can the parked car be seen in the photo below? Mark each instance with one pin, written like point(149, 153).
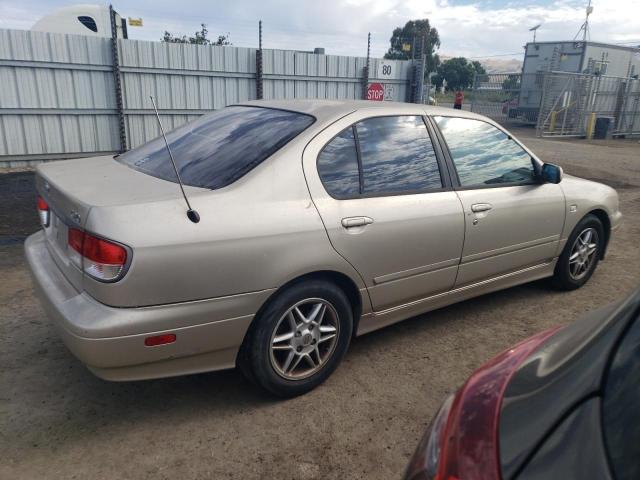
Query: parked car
point(319, 220)
point(510, 108)
point(562, 404)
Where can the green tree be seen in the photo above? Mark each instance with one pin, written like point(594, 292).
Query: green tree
point(478, 68)
point(199, 38)
point(458, 72)
point(404, 41)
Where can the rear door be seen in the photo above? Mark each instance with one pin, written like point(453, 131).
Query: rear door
point(512, 221)
point(387, 205)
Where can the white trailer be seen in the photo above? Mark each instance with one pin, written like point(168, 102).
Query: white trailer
point(92, 20)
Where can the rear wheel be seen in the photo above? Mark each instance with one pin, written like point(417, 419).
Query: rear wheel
point(581, 254)
point(299, 339)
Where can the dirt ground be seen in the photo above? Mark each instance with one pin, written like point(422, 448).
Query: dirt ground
point(58, 421)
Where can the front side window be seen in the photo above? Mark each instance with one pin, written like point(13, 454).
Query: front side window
point(338, 166)
point(88, 22)
point(484, 155)
point(397, 155)
point(217, 149)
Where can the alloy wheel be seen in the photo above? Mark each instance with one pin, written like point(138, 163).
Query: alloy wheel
point(583, 253)
point(304, 339)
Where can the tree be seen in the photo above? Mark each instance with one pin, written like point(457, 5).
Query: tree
point(478, 68)
point(199, 38)
point(404, 41)
point(458, 72)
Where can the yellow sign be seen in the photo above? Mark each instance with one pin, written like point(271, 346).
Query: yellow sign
point(135, 22)
point(406, 47)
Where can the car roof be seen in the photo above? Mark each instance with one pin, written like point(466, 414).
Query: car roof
point(325, 110)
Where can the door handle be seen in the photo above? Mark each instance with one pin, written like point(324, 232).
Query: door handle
point(349, 222)
point(481, 207)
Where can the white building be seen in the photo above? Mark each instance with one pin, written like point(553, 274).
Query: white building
point(575, 57)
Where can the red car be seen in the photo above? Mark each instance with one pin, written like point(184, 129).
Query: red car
point(563, 404)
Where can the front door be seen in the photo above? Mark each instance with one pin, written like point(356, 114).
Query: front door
point(512, 221)
point(378, 186)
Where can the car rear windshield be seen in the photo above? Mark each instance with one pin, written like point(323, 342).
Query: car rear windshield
point(217, 149)
point(621, 420)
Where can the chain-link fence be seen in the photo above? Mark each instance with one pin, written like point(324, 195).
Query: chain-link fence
point(589, 105)
point(561, 103)
point(507, 97)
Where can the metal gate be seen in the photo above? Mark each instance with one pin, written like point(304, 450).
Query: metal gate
point(576, 105)
point(507, 97)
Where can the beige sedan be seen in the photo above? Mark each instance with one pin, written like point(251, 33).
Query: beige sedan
point(319, 221)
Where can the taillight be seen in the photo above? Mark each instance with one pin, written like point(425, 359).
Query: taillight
point(462, 442)
point(97, 257)
point(43, 211)
point(424, 463)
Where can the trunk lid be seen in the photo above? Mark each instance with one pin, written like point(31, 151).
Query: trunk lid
point(73, 187)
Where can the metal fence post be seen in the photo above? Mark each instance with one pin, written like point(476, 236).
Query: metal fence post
point(117, 78)
point(418, 79)
point(259, 78)
point(473, 91)
point(365, 70)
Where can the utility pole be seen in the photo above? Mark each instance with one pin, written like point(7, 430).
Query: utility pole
point(535, 30)
point(584, 28)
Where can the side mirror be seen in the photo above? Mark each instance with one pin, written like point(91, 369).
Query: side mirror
point(551, 173)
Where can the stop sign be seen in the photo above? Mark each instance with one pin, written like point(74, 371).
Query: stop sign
point(375, 92)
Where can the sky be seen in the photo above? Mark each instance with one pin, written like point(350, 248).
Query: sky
point(480, 29)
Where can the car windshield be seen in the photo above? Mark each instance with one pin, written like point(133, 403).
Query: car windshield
point(217, 149)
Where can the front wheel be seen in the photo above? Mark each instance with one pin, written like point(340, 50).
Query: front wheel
point(581, 254)
point(299, 339)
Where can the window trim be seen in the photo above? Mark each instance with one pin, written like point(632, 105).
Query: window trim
point(356, 139)
point(455, 178)
point(445, 181)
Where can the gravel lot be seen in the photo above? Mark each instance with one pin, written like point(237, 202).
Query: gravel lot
point(59, 421)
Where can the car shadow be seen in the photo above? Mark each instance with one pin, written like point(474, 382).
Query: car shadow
point(80, 405)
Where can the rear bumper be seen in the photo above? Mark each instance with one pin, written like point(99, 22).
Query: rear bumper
point(110, 340)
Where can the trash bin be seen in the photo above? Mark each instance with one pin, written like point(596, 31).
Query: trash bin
point(603, 127)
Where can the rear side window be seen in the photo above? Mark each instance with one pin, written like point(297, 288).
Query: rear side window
point(621, 414)
point(397, 155)
point(484, 154)
point(217, 149)
point(88, 22)
point(338, 166)
point(380, 156)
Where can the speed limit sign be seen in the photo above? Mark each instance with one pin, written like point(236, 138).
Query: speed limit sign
point(385, 69)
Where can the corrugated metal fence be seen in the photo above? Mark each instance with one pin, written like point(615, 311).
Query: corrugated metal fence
point(58, 96)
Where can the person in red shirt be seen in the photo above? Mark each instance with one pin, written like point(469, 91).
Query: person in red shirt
point(459, 98)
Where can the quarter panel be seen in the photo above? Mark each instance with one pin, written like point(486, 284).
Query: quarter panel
point(562, 373)
point(255, 234)
point(587, 196)
point(574, 450)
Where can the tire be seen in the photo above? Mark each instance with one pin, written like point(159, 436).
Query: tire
point(570, 273)
point(321, 336)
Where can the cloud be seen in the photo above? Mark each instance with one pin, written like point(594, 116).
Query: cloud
point(475, 29)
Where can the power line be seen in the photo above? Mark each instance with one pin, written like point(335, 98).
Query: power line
point(498, 55)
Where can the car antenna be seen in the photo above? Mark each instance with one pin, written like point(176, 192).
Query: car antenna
point(191, 213)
